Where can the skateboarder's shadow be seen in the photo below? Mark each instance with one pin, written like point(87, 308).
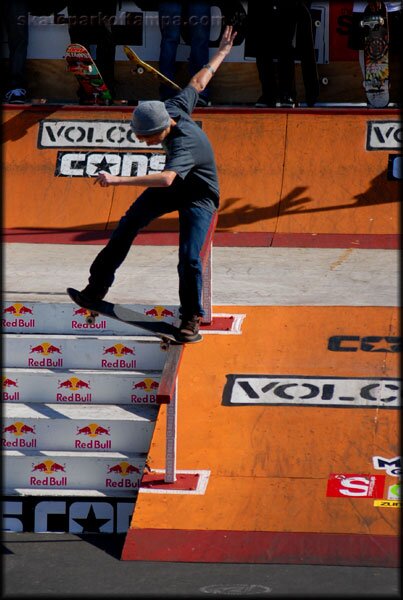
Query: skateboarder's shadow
point(248, 213)
point(234, 212)
point(378, 192)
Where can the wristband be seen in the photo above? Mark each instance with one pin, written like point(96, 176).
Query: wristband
point(210, 68)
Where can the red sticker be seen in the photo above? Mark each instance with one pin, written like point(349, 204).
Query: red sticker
point(352, 485)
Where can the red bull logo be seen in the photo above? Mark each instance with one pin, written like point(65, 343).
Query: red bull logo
point(48, 351)
point(76, 386)
point(147, 386)
point(119, 352)
point(93, 430)
point(10, 384)
point(123, 475)
point(18, 430)
point(16, 316)
point(46, 474)
point(83, 313)
point(159, 312)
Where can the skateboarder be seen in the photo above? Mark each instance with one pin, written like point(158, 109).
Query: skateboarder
point(188, 184)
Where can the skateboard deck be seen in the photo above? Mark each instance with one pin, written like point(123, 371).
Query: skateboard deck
point(376, 55)
point(167, 332)
point(81, 64)
point(141, 67)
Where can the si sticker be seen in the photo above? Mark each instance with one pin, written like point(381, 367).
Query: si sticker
point(352, 485)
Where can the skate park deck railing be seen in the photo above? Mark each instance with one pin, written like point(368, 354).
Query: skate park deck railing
point(168, 388)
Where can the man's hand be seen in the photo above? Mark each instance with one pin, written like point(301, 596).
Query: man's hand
point(201, 79)
point(227, 40)
point(106, 179)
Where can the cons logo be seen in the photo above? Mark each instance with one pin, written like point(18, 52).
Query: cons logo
point(370, 343)
point(89, 164)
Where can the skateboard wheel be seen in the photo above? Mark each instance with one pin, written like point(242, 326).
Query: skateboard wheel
point(324, 81)
point(90, 319)
point(140, 70)
point(317, 23)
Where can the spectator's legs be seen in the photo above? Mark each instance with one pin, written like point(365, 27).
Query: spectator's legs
point(170, 15)
point(199, 19)
point(15, 17)
point(287, 10)
point(306, 45)
point(90, 25)
point(263, 23)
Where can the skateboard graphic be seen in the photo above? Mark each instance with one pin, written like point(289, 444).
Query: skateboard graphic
point(92, 86)
point(141, 67)
point(376, 54)
point(168, 333)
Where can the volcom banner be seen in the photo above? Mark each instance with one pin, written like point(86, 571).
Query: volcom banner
point(312, 391)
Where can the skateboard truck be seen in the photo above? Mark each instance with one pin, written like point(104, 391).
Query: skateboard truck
point(373, 22)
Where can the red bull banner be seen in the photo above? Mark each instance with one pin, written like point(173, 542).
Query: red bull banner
point(71, 387)
point(67, 318)
point(124, 353)
point(115, 471)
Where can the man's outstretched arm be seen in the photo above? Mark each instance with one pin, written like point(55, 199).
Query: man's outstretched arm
point(201, 79)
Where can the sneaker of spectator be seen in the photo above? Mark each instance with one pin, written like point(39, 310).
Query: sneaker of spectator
point(264, 102)
point(287, 102)
point(16, 96)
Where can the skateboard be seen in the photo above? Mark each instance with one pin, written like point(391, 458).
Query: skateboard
point(141, 67)
point(168, 333)
point(92, 85)
point(376, 54)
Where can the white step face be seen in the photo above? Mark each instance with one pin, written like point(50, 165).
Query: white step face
point(76, 428)
point(123, 353)
point(69, 386)
point(68, 318)
point(45, 470)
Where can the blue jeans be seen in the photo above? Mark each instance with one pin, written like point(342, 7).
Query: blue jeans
point(171, 15)
point(194, 223)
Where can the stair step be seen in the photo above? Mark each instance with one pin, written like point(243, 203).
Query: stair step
point(80, 386)
point(124, 353)
point(46, 470)
point(68, 318)
point(74, 427)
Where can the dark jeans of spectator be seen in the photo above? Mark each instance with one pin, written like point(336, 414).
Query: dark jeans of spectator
point(280, 17)
point(171, 16)
point(14, 13)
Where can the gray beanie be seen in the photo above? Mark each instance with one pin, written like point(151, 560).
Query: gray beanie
point(150, 117)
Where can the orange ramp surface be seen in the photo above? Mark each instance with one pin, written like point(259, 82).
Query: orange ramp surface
point(286, 176)
point(271, 465)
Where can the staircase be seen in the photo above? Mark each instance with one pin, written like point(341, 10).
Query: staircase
point(80, 406)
